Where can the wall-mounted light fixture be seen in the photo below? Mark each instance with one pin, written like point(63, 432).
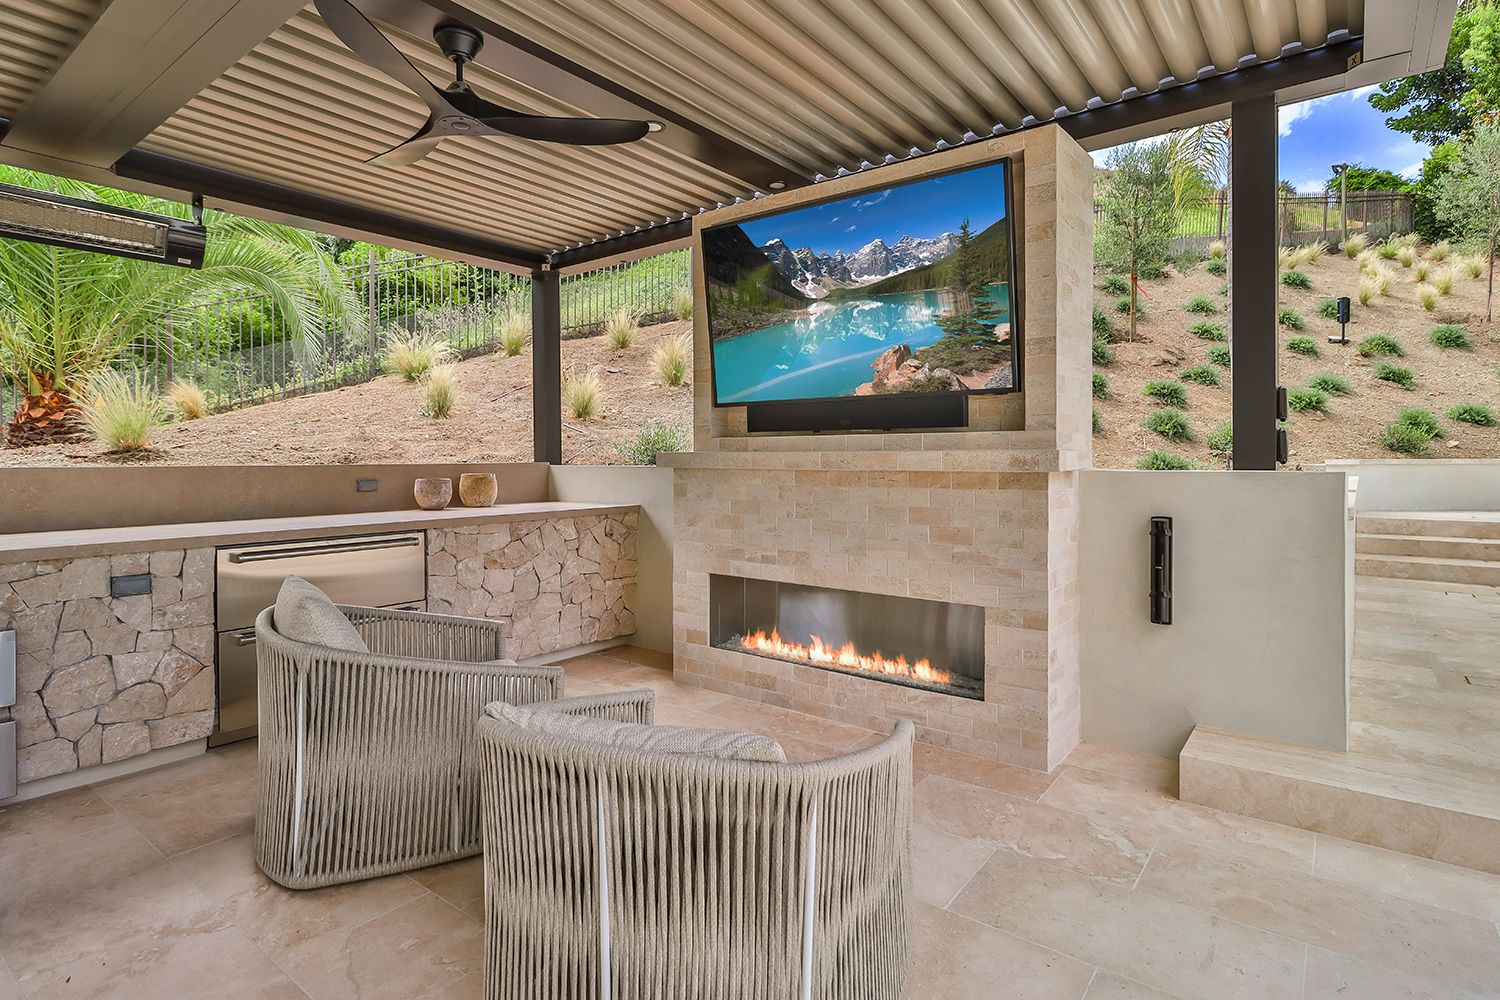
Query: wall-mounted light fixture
point(60, 221)
point(1161, 570)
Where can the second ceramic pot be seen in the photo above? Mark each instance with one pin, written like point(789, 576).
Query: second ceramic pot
point(478, 489)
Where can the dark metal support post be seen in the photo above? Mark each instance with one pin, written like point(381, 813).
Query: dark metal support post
point(546, 365)
point(1253, 225)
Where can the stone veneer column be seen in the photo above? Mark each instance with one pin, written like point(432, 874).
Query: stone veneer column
point(100, 679)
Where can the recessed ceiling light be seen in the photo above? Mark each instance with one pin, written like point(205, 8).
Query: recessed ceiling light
point(654, 126)
point(776, 185)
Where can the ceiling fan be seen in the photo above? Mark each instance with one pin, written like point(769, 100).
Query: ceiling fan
point(456, 111)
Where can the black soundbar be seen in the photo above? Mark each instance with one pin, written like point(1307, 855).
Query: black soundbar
point(885, 412)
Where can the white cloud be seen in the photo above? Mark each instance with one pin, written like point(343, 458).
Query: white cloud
point(1310, 185)
point(1289, 115)
point(1412, 172)
point(867, 202)
point(850, 229)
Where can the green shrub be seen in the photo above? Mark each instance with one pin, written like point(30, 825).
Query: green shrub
point(682, 302)
point(1114, 285)
point(1289, 318)
point(1164, 461)
point(1215, 266)
point(656, 438)
point(1170, 423)
point(1122, 306)
point(1153, 272)
point(1473, 413)
point(1098, 424)
point(1304, 400)
point(1200, 374)
point(1328, 308)
point(1101, 322)
point(1305, 346)
point(1104, 354)
point(121, 413)
point(620, 327)
point(1423, 420)
point(1296, 279)
point(1188, 259)
point(583, 395)
point(1450, 336)
point(1101, 385)
point(1167, 391)
point(1401, 376)
point(1405, 439)
point(1219, 355)
point(1334, 385)
point(1201, 304)
point(1377, 344)
point(1207, 329)
point(1221, 440)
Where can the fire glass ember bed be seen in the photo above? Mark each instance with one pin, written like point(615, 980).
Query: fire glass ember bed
point(932, 645)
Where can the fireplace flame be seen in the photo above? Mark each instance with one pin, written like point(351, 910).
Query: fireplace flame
point(846, 656)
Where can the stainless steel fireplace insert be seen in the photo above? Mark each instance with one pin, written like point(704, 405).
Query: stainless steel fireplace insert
point(933, 645)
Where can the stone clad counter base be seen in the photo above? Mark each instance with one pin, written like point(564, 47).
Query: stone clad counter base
point(562, 582)
point(100, 679)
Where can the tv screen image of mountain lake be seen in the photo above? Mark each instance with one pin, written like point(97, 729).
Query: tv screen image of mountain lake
point(902, 289)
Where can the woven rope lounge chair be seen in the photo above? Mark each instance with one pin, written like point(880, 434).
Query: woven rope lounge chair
point(618, 873)
point(369, 760)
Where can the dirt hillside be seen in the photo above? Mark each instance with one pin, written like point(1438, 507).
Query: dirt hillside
point(1353, 424)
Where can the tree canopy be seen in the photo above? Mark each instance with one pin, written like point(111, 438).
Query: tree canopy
point(1363, 178)
point(1139, 213)
point(1442, 104)
point(1467, 195)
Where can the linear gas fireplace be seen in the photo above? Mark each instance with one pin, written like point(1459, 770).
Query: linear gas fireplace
point(931, 645)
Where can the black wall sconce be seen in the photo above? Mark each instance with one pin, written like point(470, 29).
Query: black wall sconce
point(1161, 571)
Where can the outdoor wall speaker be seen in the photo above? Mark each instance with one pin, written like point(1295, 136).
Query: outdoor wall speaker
point(60, 221)
point(1161, 570)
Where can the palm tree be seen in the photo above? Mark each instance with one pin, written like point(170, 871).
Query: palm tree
point(67, 314)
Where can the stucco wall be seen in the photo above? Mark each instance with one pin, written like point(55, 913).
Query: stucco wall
point(1260, 637)
point(1425, 484)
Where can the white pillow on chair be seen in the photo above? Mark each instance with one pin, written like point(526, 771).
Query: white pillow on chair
point(305, 614)
point(722, 744)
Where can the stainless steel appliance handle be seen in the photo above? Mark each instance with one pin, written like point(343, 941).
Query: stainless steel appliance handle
point(244, 637)
point(266, 555)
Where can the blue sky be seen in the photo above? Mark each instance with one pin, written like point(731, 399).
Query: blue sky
point(923, 209)
point(1338, 128)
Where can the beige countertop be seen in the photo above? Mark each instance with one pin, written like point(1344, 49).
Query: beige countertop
point(27, 546)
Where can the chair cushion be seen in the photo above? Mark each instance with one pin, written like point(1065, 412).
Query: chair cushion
point(723, 744)
point(305, 614)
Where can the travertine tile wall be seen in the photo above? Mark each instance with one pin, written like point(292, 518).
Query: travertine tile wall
point(561, 582)
point(985, 516)
point(103, 678)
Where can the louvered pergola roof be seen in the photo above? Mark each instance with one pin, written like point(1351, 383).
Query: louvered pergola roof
point(256, 104)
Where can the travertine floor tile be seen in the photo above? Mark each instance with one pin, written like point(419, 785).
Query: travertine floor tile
point(46, 822)
point(942, 864)
point(460, 883)
point(1153, 772)
point(425, 948)
point(1000, 777)
point(1462, 890)
point(185, 805)
point(1154, 941)
point(1113, 800)
point(954, 958)
point(1108, 986)
point(278, 919)
point(1332, 976)
point(1437, 945)
point(1031, 829)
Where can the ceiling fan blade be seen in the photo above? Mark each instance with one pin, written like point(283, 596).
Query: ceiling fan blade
point(572, 131)
point(410, 151)
point(367, 42)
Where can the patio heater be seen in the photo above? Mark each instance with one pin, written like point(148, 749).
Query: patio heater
point(77, 224)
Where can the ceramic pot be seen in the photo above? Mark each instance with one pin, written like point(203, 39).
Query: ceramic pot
point(433, 494)
point(478, 489)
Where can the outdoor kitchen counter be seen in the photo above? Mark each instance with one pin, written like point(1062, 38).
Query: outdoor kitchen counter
point(28, 546)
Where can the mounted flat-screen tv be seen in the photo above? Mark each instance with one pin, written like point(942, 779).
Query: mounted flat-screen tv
point(905, 290)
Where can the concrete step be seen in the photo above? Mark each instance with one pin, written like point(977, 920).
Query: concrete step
point(1436, 546)
point(1447, 812)
point(1444, 524)
point(1455, 571)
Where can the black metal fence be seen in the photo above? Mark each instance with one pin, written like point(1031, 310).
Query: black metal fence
point(241, 350)
point(1303, 218)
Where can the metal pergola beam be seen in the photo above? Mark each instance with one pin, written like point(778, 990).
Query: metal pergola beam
point(1253, 238)
point(546, 366)
point(135, 67)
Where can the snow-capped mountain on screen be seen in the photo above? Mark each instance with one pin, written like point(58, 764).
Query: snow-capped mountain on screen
point(816, 275)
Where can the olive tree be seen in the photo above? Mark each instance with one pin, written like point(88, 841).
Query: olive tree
point(1139, 215)
point(1468, 196)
